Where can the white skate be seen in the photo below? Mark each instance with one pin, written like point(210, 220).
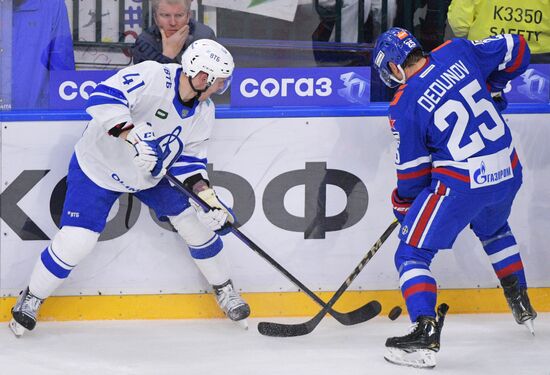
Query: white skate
point(24, 313)
point(234, 307)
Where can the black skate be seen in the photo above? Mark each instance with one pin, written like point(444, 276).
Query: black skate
point(519, 303)
point(418, 347)
point(234, 307)
point(24, 313)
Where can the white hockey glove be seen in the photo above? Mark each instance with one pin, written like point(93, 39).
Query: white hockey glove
point(147, 149)
point(210, 197)
point(218, 216)
point(214, 219)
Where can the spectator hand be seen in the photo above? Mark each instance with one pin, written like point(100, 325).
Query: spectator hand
point(173, 44)
point(147, 149)
point(400, 205)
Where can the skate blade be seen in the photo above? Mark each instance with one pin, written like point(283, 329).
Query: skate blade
point(421, 358)
point(243, 323)
point(17, 329)
point(530, 326)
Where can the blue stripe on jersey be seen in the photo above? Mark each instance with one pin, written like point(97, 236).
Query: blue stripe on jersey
point(99, 100)
point(412, 172)
point(410, 183)
point(191, 159)
point(111, 91)
point(53, 266)
point(520, 55)
point(177, 171)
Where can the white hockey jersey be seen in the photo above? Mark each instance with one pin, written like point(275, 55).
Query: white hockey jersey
point(143, 93)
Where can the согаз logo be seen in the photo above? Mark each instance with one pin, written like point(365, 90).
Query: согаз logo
point(69, 90)
point(271, 87)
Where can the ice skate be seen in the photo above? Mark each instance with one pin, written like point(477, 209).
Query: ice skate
point(234, 307)
point(418, 347)
point(519, 303)
point(24, 313)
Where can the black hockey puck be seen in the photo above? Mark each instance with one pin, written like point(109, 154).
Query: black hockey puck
point(395, 312)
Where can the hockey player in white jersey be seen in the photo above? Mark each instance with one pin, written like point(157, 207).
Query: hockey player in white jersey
point(136, 116)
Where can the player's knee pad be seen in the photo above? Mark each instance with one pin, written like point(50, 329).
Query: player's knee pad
point(407, 254)
point(72, 244)
point(203, 243)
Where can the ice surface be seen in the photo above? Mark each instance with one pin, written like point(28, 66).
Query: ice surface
point(471, 344)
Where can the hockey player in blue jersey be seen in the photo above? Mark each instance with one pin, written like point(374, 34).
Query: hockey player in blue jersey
point(456, 166)
point(136, 116)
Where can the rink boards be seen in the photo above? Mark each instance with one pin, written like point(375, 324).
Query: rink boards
point(312, 192)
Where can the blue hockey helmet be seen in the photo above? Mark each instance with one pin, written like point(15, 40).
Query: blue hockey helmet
point(393, 46)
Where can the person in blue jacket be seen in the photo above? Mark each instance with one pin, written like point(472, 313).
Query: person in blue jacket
point(41, 43)
point(456, 166)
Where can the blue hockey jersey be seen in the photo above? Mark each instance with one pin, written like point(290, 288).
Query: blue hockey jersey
point(445, 122)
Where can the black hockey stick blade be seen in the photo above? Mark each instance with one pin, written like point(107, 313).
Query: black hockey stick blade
point(291, 330)
point(360, 315)
point(366, 312)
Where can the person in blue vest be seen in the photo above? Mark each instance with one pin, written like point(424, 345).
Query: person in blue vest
point(456, 166)
point(42, 43)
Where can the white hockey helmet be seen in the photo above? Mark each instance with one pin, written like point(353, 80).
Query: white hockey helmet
point(209, 56)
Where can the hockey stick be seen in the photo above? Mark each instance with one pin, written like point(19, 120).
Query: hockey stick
point(362, 314)
point(290, 330)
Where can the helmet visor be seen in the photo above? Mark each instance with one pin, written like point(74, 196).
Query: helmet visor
point(226, 84)
point(388, 79)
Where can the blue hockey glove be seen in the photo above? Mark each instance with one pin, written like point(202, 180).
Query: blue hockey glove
point(400, 205)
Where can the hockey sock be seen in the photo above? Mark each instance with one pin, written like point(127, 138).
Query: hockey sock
point(211, 261)
point(419, 289)
point(48, 274)
point(416, 281)
point(505, 258)
point(69, 246)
